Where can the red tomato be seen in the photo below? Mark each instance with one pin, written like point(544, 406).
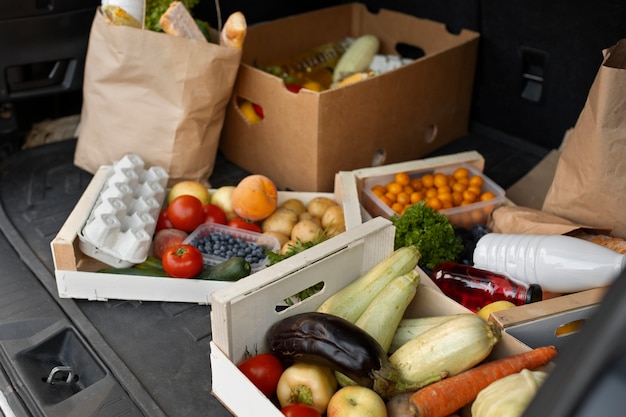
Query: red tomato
point(300, 410)
point(294, 88)
point(239, 223)
point(263, 370)
point(214, 214)
point(186, 212)
point(182, 261)
point(163, 222)
point(258, 110)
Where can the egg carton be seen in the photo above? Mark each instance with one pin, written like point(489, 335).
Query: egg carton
point(119, 227)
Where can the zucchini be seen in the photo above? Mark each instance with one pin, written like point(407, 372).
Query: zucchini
point(230, 270)
point(445, 350)
point(381, 317)
point(352, 300)
point(408, 328)
point(357, 57)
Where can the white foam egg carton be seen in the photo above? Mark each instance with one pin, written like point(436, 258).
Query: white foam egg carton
point(120, 225)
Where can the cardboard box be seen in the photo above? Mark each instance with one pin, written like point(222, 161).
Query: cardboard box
point(242, 313)
point(75, 271)
point(305, 138)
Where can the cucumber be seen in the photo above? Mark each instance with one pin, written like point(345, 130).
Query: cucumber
point(151, 263)
point(230, 270)
point(133, 270)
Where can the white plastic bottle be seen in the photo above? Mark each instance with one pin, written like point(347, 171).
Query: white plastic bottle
point(558, 263)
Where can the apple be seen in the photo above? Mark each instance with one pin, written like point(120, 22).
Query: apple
point(164, 239)
point(189, 187)
point(356, 401)
point(222, 198)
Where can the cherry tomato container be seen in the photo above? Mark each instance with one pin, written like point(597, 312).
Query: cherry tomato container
point(462, 216)
point(232, 237)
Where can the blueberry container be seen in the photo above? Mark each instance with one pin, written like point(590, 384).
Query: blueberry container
point(240, 239)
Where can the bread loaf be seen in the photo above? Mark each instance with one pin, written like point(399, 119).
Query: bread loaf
point(178, 21)
point(615, 243)
point(234, 32)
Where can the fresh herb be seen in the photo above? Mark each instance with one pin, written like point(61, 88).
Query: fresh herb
point(431, 231)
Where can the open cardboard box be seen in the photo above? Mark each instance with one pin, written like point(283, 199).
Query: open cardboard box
point(242, 313)
point(305, 138)
point(75, 271)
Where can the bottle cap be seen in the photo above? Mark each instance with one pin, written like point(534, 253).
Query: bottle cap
point(534, 293)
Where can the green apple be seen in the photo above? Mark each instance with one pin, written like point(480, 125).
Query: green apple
point(356, 401)
point(189, 187)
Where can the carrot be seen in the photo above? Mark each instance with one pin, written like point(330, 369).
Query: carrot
point(444, 397)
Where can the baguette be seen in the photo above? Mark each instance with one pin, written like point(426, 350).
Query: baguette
point(178, 21)
point(117, 16)
point(234, 32)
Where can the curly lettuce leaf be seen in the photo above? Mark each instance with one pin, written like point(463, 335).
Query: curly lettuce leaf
point(431, 231)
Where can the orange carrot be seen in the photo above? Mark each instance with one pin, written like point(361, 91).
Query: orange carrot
point(444, 397)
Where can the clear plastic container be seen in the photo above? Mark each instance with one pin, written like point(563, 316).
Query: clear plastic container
point(463, 216)
point(204, 230)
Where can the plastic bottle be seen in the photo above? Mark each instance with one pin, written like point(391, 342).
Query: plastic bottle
point(474, 288)
point(557, 263)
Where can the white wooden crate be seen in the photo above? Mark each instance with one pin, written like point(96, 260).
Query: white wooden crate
point(75, 271)
point(242, 313)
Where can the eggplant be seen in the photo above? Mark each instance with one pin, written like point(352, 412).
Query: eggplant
point(332, 341)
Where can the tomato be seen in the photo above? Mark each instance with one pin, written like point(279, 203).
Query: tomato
point(186, 212)
point(264, 371)
point(299, 410)
point(258, 110)
point(239, 223)
point(214, 214)
point(182, 261)
point(163, 222)
point(294, 88)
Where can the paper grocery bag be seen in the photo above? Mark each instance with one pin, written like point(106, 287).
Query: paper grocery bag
point(156, 95)
point(589, 184)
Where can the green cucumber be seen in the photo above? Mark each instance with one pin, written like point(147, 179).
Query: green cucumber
point(230, 270)
point(146, 272)
point(150, 263)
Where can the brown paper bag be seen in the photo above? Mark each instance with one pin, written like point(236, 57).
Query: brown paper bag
point(589, 183)
point(159, 96)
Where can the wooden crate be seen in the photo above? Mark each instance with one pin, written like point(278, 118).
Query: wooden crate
point(552, 321)
point(242, 313)
point(75, 271)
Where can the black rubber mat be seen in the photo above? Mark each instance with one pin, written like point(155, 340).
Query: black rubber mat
point(156, 352)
